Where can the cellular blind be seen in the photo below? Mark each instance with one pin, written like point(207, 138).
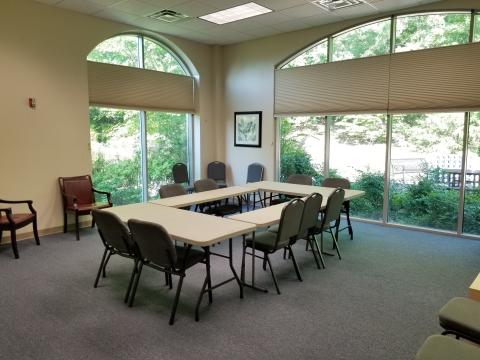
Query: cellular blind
point(127, 87)
point(350, 86)
point(439, 79)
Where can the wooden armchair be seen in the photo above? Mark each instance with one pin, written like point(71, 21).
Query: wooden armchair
point(11, 222)
point(78, 197)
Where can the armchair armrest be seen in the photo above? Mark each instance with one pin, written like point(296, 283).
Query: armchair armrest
point(109, 195)
point(28, 202)
point(8, 213)
point(66, 196)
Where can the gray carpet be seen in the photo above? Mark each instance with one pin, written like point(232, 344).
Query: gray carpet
point(379, 302)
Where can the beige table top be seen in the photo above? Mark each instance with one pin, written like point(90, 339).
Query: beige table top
point(205, 196)
point(187, 226)
point(302, 190)
point(263, 217)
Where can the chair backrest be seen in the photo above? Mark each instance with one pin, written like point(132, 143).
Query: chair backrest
point(153, 242)
point(113, 231)
point(180, 173)
point(78, 186)
point(289, 225)
point(311, 210)
point(171, 190)
point(255, 172)
point(205, 185)
point(333, 207)
point(300, 179)
point(336, 183)
point(216, 171)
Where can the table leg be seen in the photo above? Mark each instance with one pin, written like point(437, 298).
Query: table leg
point(252, 285)
point(230, 261)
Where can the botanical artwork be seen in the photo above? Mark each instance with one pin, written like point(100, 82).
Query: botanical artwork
point(248, 129)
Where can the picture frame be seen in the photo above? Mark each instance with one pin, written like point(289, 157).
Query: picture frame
point(248, 128)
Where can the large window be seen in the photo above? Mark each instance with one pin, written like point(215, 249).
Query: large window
point(471, 214)
point(367, 40)
point(425, 31)
point(412, 32)
point(357, 152)
point(133, 151)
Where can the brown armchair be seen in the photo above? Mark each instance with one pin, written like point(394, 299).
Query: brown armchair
point(11, 222)
point(78, 197)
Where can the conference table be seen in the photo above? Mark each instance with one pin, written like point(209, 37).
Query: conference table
point(194, 228)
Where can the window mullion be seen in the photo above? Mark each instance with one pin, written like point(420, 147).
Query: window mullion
point(388, 161)
point(143, 128)
point(472, 27)
point(461, 202)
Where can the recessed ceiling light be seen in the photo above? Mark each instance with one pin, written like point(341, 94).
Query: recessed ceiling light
point(236, 13)
point(336, 4)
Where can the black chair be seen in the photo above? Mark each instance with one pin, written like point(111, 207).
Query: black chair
point(298, 179)
point(217, 172)
point(171, 190)
point(461, 317)
point(117, 241)
point(12, 221)
point(344, 184)
point(329, 216)
point(269, 242)
point(180, 176)
point(438, 347)
point(254, 174)
point(218, 208)
point(157, 250)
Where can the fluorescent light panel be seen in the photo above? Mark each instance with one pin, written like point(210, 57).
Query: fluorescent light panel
point(236, 13)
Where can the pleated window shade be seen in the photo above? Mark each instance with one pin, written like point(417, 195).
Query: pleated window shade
point(351, 86)
point(441, 79)
point(127, 87)
point(432, 80)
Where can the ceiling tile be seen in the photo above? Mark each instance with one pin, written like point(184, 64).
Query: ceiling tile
point(49, 2)
point(280, 4)
point(301, 11)
point(136, 7)
point(198, 25)
point(106, 2)
point(116, 15)
point(193, 8)
point(85, 6)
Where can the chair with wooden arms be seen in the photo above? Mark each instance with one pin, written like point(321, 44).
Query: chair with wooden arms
point(217, 172)
point(344, 184)
point(10, 221)
point(78, 197)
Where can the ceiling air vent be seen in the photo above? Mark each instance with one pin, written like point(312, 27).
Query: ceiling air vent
point(332, 5)
point(168, 16)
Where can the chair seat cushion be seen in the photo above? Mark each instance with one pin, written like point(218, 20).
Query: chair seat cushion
point(194, 256)
point(18, 219)
point(273, 229)
point(264, 241)
point(89, 207)
point(438, 347)
point(227, 209)
point(461, 315)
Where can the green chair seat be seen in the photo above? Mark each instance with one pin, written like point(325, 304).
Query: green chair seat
point(461, 316)
point(438, 347)
point(264, 241)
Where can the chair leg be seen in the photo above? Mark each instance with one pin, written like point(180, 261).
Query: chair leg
point(295, 265)
point(105, 264)
point(77, 226)
point(320, 255)
point(265, 261)
point(13, 239)
point(242, 270)
point(93, 222)
point(135, 285)
point(130, 283)
point(335, 244)
point(64, 221)
point(1, 234)
point(35, 231)
point(273, 274)
point(349, 223)
point(177, 297)
point(100, 268)
point(309, 241)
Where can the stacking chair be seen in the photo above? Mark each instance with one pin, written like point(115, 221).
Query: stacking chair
point(344, 184)
point(254, 174)
point(438, 347)
point(157, 250)
point(216, 207)
point(117, 241)
point(171, 190)
point(269, 242)
point(298, 179)
point(331, 215)
point(180, 176)
point(13, 221)
point(461, 317)
point(78, 197)
point(216, 171)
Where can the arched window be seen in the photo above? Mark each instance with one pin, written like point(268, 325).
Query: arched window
point(133, 151)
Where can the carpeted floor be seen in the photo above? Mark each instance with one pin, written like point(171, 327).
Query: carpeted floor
point(379, 302)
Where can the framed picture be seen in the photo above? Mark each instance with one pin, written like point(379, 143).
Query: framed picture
point(248, 128)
